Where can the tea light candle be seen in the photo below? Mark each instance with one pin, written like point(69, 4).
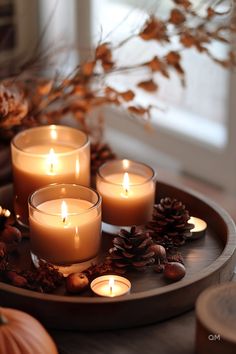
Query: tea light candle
point(199, 229)
point(110, 286)
point(65, 224)
point(128, 191)
point(44, 155)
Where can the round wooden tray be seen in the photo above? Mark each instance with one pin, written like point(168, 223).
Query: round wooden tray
point(208, 261)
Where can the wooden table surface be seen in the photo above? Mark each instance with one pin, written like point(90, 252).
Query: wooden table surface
point(173, 336)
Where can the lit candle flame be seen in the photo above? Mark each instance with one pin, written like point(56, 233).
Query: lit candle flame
point(111, 285)
point(126, 183)
point(64, 211)
point(52, 160)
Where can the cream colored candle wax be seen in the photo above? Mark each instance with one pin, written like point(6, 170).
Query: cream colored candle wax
point(127, 198)
point(45, 155)
point(110, 286)
point(65, 231)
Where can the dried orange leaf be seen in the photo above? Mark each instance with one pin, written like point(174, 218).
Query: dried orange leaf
point(173, 58)
point(81, 104)
point(103, 52)
point(184, 3)
point(107, 65)
point(176, 17)
point(137, 110)
point(140, 110)
point(110, 91)
point(149, 85)
point(80, 90)
point(187, 40)
point(157, 64)
point(154, 29)
point(127, 95)
point(44, 88)
point(210, 12)
point(87, 68)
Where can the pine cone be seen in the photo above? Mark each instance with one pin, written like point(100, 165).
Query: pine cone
point(169, 226)
point(131, 250)
point(100, 153)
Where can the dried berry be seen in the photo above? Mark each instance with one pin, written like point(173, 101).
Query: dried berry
point(15, 279)
point(11, 236)
point(76, 282)
point(45, 279)
point(159, 268)
point(174, 271)
point(175, 257)
point(95, 270)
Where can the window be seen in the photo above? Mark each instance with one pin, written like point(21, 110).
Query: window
point(193, 131)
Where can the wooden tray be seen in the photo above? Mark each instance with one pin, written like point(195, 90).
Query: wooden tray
point(208, 261)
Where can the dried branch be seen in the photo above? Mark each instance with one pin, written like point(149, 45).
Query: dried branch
point(27, 99)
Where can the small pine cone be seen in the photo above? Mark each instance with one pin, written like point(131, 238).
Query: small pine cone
point(100, 153)
point(169, 226)
point(131, 250)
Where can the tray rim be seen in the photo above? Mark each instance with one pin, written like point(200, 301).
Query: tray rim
point(227, 252)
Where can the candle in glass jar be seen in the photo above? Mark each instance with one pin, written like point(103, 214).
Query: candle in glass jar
point(64, 230)
point(44, 155)
point(128, 195)
point(110, 286)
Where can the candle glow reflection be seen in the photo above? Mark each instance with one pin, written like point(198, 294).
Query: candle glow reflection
point(51, 161)
point(64, 211)
point(111, 285)
point(126, 183)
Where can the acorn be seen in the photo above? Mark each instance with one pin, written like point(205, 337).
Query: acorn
point(11, 236)
point(159, 251)
point(174, 271)
point(76, 283)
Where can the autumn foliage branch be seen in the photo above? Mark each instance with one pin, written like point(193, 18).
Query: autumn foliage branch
point(27, 100)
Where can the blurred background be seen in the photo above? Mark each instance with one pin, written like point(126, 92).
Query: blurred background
point(193, 132)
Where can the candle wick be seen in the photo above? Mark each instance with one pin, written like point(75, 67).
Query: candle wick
point(64, 220)
point(110, 289)
point(126, 192)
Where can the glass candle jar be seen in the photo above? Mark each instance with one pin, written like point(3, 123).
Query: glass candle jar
point(44, 155)
point(128, 192)
point(65, 224)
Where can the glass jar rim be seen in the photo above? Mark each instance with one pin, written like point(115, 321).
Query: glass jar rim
point(46, 127)
point(106, 180)
point(94, 206)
